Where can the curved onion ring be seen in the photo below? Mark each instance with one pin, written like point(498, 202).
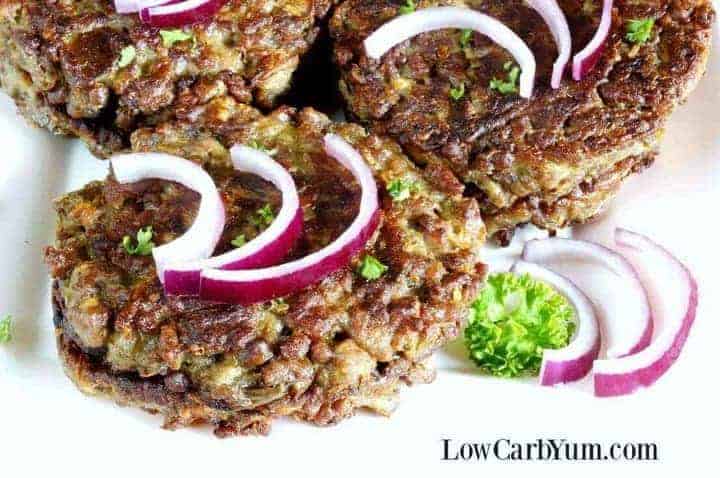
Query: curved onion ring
point(132, 6)
point(200, 239)
point(574, 361)
point(553, 249)
point(586, 59)
point(258, 285)
point(550, 11)
point(624, 375)
point(180, 13)
point(268, 248)
point(407, 26)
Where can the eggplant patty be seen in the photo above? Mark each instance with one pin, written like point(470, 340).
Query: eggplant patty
point(317, 355)
point(553, 160)
point(78, 68)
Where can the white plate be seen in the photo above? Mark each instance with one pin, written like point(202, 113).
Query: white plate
point(46, 426)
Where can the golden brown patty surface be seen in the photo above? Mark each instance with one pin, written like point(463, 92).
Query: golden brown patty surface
point(77, 67)
point(555, 159)
point(317, 355)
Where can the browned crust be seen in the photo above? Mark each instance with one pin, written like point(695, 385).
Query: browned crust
point(59, 61)
point(326, 351)
point(506, 150)
point(158, 395)
point(587, 201)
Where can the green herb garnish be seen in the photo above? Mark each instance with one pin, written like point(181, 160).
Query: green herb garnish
point(239, 241)
point(171, 37)
point(127, 55)
point(6, 329)
point(144, 243)
point(260, 147)
point(512, 320)
point(639, 31)
point(465, 37)
point(279, 306)
point(409, 7)
point(371, 268)
point(508, 86)
point(401, 189)
point(458, 92)
point(263, 216)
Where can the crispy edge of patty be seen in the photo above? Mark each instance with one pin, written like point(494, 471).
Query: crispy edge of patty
point(183, 409)
point(585, 203)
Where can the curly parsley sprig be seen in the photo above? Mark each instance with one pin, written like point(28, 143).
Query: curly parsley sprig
point(512, 321)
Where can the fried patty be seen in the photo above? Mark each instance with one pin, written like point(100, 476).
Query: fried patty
point(555, 159)
point(61, 62)
point(317, 355)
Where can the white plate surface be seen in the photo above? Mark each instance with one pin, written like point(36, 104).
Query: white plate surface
point(47, 427)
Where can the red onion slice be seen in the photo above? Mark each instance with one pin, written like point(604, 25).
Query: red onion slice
point(126, 6)
point(553, 15)
point(200, 239)
point(586, 59)
point(621, 338)
point(268, 248)
point(258, 285)
point(412, 24)
point(132, 6)
point(573, 362)
point(182, 13)
point(668, 280)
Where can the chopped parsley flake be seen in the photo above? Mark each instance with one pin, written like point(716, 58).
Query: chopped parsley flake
point(639, 31)
point(127, 55)
point(512, 321)
point(239, 241)
point(260, 147)
point(263, 216)
point(409, 7)
point(279, 306)
point(508, 86)
point(171, 37)
point(465, 37)
point(400, 189)
point(5, 329)
point(371, 268)
point(144, 243)
point(458, 92)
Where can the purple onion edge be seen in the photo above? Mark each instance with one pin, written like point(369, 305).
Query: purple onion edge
point(187, 282)
point(246, 293)
point(571, 370)
point(610, 385)
point(199, 14)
